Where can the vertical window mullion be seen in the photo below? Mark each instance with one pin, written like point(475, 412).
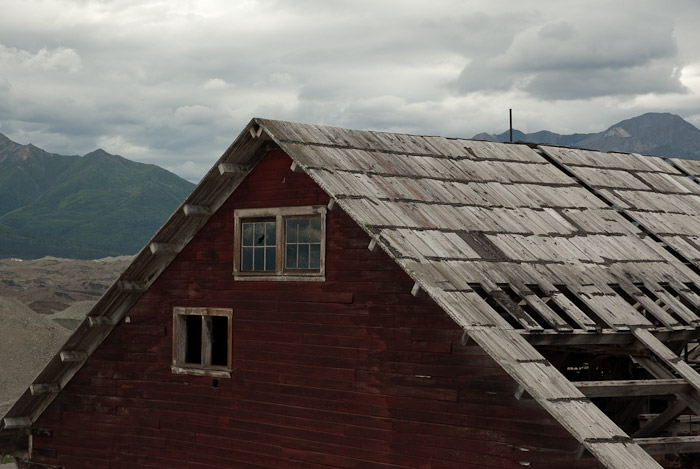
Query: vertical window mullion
point(206, 341)
point(281, 233)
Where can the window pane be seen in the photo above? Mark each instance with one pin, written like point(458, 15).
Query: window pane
point(247, 234)
point(303, 230)
point(193, 333)
point(303, 252)
point(270, 259)
point(219, 341)
point(315, 230)
point(247, 261)
point(259, 234)
point(259, 258)
point(270, 234)
point(292, 227)
point(291, 262)
point(315, 257)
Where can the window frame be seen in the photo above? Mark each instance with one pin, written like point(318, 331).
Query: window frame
point(179, 364)
point(280, 215)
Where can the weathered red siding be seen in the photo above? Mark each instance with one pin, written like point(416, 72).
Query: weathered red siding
point(353, 372)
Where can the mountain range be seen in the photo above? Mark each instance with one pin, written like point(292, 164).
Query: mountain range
point(83, 207)
point(658, 134)
point(100, 205)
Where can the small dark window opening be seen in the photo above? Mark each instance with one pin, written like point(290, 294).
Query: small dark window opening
point(193, 346)
point(219, 340)
point(202, 342)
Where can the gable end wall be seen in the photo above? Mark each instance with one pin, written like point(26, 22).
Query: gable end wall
point(352, 372)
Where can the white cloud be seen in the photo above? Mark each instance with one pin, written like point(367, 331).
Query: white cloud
point(215, 84)
point(118, 145)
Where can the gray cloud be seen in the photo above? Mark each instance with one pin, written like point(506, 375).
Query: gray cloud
point(626, 52)
point(172, 83)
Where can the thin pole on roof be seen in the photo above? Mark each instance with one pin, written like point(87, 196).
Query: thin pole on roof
point(510, 112)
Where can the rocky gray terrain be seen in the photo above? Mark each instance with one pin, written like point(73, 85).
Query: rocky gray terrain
point(41, 302)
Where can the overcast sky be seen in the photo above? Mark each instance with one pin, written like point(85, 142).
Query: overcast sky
point(172, 82)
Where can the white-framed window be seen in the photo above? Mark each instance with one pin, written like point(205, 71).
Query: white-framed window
point(202, 341)
point(285, 243)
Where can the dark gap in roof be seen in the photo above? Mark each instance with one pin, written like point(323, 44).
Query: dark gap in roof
point(479, 290)
point(582, 305)
point(553, 305)
point(692, 287)
point(679, 296)
point(658, 301)
point(632, 301)
point(520, 301)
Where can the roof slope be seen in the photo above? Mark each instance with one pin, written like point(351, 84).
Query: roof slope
point(505, 238)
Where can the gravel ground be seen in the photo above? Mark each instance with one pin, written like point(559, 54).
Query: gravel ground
point(41, 302)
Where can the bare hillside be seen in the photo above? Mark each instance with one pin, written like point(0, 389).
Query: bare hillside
point(41, 302)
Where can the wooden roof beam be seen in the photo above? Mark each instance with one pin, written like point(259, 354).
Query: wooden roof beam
point(662, 420)
point(232, 169)
point(130, 286)
point(645, 387)
point(196, 210)
point(256, 131)
point(17, 422)
point(415, 290)
point(101, 321)
point(68, 356)
point(670, 445)
point(163, 248)
point(38, 389)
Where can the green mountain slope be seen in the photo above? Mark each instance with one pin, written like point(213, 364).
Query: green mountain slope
point(81, 207)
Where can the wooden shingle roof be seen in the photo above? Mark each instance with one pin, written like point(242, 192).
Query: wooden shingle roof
point(522, 246)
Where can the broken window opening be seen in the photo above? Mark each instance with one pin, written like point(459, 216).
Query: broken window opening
point(202, 341)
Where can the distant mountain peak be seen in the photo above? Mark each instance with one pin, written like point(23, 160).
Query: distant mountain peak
point(653, 133)
point(68, 206)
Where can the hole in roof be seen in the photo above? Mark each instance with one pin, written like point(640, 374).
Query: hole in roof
point(680, 296)
point(659, 302)
point(582, 305)
point(553, 305)
point(634, 303)
point(524, 305)
point(479, 290)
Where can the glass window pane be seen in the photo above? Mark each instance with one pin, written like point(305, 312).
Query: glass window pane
point(315, 230)
point(270, 234)
point(315, 257)
point(291, 262)
point(303, 230)
point(247, 234)
point(259, 259)
point(270, 259)
point(303, 253)
point(247, 261)
point(259, 234)
point(292, 227)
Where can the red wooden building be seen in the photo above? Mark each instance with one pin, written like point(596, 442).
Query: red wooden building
point(328, 298)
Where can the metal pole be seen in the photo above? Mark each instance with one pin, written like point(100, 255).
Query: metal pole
point(510, 112)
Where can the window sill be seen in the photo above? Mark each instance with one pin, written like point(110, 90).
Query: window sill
point(279, 278)
point(180, 370)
